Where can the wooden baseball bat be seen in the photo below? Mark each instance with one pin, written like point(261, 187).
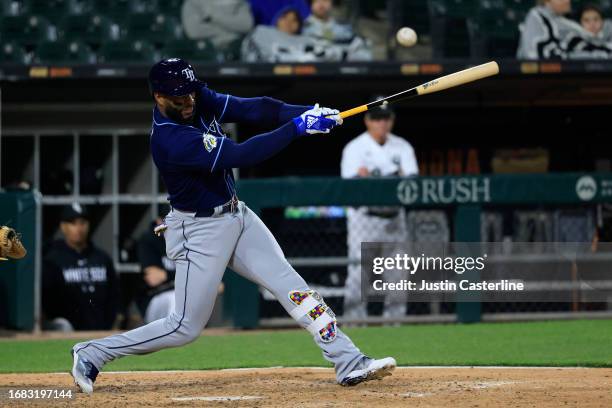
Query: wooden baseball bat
point(435, 85)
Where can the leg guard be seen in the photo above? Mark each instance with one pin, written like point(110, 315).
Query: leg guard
point(320, 319)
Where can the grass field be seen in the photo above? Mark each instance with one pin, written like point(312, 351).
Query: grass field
point(568, 343)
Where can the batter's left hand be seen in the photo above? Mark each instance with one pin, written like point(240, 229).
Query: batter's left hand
point(314, 121)
point(334, 114)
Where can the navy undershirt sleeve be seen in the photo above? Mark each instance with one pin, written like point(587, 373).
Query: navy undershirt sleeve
point(262, 110)
point(254, 150)
point(195, 152)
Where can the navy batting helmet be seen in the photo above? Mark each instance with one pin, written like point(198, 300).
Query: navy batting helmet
point(173, 77)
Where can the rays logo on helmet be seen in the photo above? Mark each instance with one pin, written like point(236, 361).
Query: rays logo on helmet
point(189, 74)
point(210, 142)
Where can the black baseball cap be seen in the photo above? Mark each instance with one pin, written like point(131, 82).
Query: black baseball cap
point(383, 111)
point(74, 211)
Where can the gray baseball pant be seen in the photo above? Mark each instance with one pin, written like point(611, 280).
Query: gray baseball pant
point(202, 248)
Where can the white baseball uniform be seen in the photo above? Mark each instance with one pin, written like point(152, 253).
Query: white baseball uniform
point(374, 224)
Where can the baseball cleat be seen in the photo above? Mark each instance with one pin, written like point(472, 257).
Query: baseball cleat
point(374, 370)
point(83, 372)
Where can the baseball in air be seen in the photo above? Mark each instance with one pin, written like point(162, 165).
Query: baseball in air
point(406, 36)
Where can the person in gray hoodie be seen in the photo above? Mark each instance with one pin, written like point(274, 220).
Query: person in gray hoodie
point(547, 34)
point(322, 25)
point(220, 21)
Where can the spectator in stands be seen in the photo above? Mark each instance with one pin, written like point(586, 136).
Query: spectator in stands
point(288, 21)
point(80, 287)
point(322, 25)
point(158, 275)
point(547, 34)
point(375, 153)
point(283, 43)
point(220, 21)
point(267, 12)
point(591, 19)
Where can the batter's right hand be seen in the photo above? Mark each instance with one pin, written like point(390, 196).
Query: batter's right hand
point(313, 121)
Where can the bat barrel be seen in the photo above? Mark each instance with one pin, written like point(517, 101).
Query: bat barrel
point(459, 78)
point(436, 85)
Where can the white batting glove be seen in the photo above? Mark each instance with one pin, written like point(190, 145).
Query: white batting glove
point(313, 121)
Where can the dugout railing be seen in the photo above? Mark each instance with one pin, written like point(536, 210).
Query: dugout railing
point(465, 199)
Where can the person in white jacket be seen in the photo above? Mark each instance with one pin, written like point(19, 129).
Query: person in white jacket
point(220, 21)
point(375, 153)
point(547, 34)
point(321, 25)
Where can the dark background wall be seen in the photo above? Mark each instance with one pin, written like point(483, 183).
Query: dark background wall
point(565, 114)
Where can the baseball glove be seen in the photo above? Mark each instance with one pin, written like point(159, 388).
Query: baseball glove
point(10, 244)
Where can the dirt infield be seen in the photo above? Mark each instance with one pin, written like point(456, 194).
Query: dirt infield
point(312, 387)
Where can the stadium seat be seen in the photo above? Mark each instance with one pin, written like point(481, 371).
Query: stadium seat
point(170, 7)
point(449, 31)
point(12, 53)
point(232, 52)
point(13, 8)
point(26, 29)
point(493, 33)
point(154, 27)
point(127, 51)
point(454, 8)
point(518, 8)
point(64, 52)
point(192, 51)
point(93, 29)
point(118, 9)
point(53, 10)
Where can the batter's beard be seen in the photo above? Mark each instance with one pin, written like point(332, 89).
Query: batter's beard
point(176, 116)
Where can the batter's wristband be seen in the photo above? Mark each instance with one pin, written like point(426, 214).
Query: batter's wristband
point(300, 125)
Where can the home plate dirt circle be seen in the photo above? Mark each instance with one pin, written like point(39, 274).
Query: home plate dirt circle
point(315, 387)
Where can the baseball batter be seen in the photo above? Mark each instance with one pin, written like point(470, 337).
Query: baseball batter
point(208, 228)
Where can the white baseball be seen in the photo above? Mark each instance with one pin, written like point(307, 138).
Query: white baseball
point(406, 36)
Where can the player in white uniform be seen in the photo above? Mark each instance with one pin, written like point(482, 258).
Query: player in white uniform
point(375, 153)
